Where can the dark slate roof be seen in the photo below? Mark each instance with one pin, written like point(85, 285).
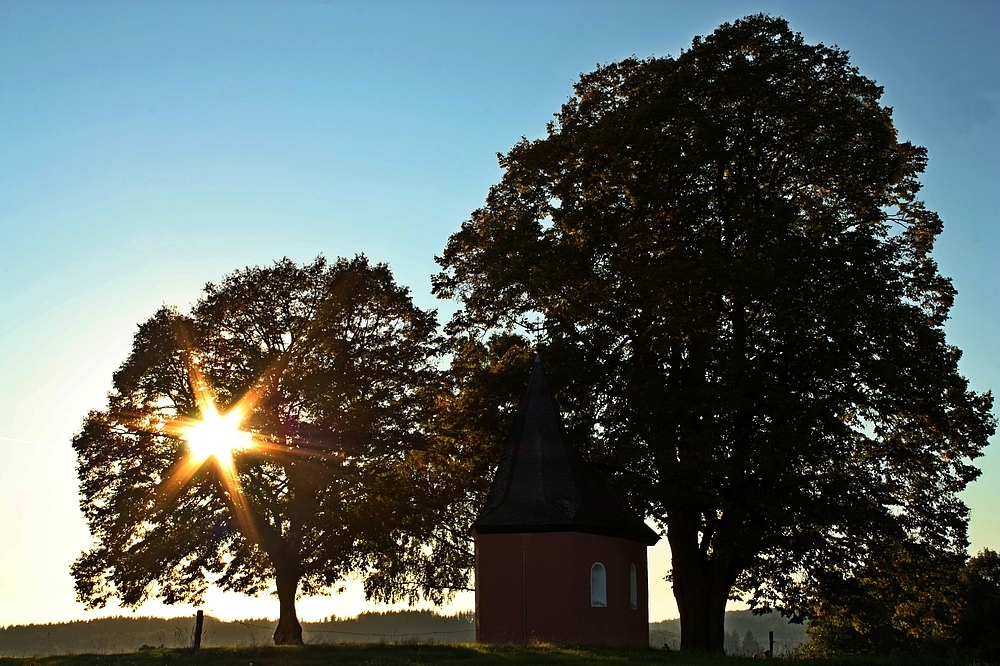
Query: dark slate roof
point(543, 484)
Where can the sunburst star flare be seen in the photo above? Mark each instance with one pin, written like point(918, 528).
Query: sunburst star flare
point(217, 435)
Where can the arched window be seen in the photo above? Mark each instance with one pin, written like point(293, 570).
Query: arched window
point(598, 585)
point(633, 589)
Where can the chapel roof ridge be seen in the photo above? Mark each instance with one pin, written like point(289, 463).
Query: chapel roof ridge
point(544, 484)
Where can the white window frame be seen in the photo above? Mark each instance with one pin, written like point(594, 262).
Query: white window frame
point(598, 586)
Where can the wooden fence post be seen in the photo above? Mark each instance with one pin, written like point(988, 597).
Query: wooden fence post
point(770, 642)
point(199, 622)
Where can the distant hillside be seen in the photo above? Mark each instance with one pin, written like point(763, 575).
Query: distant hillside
point(738, 624)
point(127, 634)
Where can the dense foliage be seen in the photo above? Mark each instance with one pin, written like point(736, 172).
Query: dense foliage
point(910, 602)
point(725, 261)
point(337, 372)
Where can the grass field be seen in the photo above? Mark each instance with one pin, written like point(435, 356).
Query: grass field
point(420, 655)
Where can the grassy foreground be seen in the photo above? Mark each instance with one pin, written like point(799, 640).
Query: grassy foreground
point(420, 655)
point(373, 654)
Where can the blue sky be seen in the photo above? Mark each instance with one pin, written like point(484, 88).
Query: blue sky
point(147, 148)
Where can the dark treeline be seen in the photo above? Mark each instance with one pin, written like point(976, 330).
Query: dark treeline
point(129, 634)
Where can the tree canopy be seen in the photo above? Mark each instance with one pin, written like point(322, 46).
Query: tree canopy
point(331, 372)
point(726, 261)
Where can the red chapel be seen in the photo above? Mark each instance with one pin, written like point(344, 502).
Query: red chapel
point(558, 558)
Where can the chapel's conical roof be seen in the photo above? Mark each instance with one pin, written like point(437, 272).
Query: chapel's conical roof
point(543, 484)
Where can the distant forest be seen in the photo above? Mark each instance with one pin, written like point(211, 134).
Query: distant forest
point(128, 634)
point(746, 634)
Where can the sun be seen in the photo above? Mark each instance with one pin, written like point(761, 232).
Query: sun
point(217, 435)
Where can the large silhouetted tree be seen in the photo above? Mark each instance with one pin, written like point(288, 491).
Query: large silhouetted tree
point(335, 370)
point(725, 260)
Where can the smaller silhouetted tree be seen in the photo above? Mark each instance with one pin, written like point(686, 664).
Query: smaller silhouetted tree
point(336, 370)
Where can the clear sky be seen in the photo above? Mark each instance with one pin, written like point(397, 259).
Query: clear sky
point(147, 148)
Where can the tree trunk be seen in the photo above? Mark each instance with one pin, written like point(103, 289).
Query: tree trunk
point(288, 631)
point(702, 584)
